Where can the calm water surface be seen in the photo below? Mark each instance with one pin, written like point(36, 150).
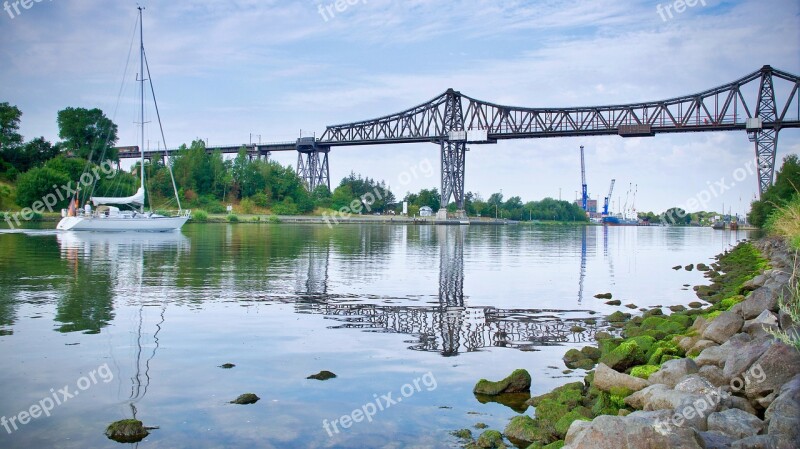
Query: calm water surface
point(137, 325)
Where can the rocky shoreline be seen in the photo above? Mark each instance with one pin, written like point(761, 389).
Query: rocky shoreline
point(704, 377)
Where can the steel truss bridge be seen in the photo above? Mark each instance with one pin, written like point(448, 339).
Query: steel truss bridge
point(761, 103)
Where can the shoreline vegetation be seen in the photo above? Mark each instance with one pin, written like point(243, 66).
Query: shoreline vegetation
point(724, 372)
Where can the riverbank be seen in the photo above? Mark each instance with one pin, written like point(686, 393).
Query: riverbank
point(328, 220)
point(708, 376)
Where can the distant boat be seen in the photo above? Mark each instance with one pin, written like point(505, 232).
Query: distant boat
point(718, 225)
point(109, 218)
point(613, 220)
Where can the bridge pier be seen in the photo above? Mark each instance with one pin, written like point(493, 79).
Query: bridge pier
point(766, 139)
point(453, 155)
point(312, 163)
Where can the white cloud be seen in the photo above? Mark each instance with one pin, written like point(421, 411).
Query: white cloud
point(224, 69)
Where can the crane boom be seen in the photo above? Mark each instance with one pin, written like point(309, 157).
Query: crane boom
point(608, 198)
point(584, 189)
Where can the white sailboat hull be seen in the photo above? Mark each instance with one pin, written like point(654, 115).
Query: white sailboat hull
point(122, 224)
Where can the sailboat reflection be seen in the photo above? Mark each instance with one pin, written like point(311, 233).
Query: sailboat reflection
point(117, 262)
point(449, 327)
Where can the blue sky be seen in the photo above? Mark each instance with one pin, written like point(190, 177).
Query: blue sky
point(225, 69)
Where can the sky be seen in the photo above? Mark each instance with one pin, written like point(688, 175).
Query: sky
point(228, 71)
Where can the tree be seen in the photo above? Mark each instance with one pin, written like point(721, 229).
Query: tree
point(246, 175)
point(32, 154)
point(10, 139)
point(787, 185)
point(676, 216)
point(88, 134)
point(9, 125)
point(33, 185)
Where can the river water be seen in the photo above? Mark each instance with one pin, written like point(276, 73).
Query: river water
point(101, 327)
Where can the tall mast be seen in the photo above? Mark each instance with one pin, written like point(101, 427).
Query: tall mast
point(141, 93)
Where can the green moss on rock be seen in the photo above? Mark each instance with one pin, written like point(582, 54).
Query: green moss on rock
point(464, 434)
point(127, 431)
point(618, 317)
point(246, 399)
point(644, 371)
point(562, 425)
point(570, 394)
point(490, 439)
point(591, 352)
point(624, 356)
point(518, 381)
point(523, 428)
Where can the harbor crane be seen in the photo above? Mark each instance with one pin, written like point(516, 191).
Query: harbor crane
point(608, 198)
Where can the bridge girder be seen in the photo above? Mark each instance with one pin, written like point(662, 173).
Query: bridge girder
point(724, 108)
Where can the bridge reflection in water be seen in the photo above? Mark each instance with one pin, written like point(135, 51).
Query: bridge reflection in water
point(449, 327)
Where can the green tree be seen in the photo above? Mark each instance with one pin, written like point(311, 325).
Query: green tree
point(32, 154)
point(34, 184)
point(787, 185)
point(88, 134)
point(9, 125)
point(246, 175)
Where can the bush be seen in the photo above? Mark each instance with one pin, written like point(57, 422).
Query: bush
point(200, 216)
point(260, 199)
point(216, 208)
point(274, 219)
point(285, 207)
point(247, 206)
point(232, 218)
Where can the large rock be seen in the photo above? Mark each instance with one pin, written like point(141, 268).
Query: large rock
point(715, 440)
point(635, 431)
point(783, 415)
point(672, 371)
point(700, 346)
point(758, 326)
point(724, 326)
point(740, 360)
point(696, 384)
point(756, 282)
point(779, 364)
point(741, 403)
point(757, 442)
point(714, 375)
point(736, 423)
point(607, 379)
point(660, 397)
point(763, 298)
point(518, 381)
point(718, 355)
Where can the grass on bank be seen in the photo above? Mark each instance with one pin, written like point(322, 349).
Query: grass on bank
point(785, 222)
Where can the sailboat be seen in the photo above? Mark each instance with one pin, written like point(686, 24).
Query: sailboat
point(108, 217)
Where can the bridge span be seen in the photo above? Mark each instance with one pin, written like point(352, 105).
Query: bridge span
point(760, 103)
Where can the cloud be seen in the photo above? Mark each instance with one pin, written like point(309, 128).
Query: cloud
point(224, 69)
